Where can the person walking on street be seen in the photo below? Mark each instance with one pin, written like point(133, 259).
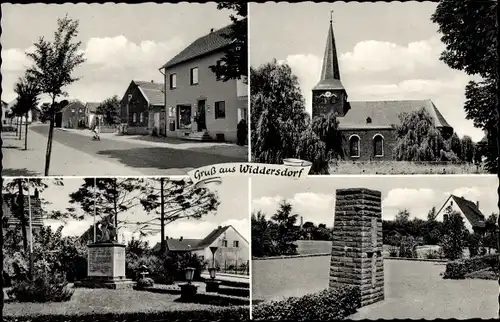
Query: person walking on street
point(96, 128)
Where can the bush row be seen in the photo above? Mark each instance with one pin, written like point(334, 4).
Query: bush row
point(330, 304)
point(457, 269)
point(225, 314)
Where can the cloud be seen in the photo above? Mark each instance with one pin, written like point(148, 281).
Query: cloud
point(111, 63)
point(382, 56)
point(417, 201)
point(15, 60)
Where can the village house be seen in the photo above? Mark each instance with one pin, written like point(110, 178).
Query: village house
point(199, 105)
point(8, 107)
point(367, 127)
point(232, 247)
point(90, 113)
point(473, 217)
point(11, 220)
point(72, 116)
point(143, 108)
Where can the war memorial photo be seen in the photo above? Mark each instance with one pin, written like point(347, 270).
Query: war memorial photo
point(408, 248)
point(375, 88)
point(125, 249)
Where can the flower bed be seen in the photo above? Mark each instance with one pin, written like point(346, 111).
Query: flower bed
point(330, 304)
point(458, 269)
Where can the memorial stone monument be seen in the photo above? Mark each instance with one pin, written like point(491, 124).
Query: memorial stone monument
point(357, 243)
point(106, 262)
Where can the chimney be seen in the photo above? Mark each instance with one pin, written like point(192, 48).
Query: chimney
point(220, 227)
point(152, 81)
point(477, 204)
point(180, 239)
point(301, 221)
point(211, 30)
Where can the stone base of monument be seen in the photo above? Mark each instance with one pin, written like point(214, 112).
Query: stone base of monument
point(114, 284)
point(212, 286)
point(106, 267)
point(188, 291)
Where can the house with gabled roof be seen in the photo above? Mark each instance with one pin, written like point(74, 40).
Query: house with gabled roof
point(199, 104)
point(90, 113)
point(367, 127)
point(232, 247)
point(71, 116)
point(143, 108)
point(473, 217)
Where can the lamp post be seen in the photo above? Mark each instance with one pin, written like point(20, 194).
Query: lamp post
point(212, 284)
point(188, 290)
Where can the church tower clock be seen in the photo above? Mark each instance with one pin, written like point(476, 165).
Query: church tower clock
point(329, 95)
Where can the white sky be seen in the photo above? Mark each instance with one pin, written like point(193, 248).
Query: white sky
point(120, 41)
point(313, 198)
point(387, 51)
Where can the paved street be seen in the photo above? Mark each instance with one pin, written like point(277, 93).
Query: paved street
point(74, 153)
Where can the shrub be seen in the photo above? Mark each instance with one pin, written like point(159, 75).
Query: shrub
point(433, 254)
point(222, 314)
point(457, 269)
point(144, 282)
point(46, 287)
point(393, 251)
point(330, 304)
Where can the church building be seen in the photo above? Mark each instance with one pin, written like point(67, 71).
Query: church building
point(367, 127)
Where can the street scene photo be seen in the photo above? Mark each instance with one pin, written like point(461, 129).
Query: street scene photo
point(85, 94)
point(370, 248)
point(125, 249)
point(376, 87)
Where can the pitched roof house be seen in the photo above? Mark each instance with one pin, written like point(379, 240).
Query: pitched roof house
point(200, 105)
point(143, 108)
point(473, 217)
point(231, 246)
point(367, 126)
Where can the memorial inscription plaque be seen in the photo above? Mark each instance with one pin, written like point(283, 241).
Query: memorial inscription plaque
point(101, 261)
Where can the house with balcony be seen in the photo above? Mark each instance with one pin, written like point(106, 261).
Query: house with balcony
point(143, 109)
point(199, 104)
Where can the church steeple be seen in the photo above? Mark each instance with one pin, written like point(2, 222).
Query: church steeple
point(329, 95)
point(330, 68)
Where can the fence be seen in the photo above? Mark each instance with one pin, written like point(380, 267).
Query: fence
point(236, 268)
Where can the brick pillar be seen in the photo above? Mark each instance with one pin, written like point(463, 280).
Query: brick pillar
point(357, 243)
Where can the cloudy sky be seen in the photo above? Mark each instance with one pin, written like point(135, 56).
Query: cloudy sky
point(387, 51)
point(233, 210)
point(313, 198)
point(121, 42)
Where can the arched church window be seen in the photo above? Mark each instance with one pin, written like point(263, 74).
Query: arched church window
point(378, 145)
point(354, 146)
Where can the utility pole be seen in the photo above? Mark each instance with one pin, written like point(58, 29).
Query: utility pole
point(162, 215)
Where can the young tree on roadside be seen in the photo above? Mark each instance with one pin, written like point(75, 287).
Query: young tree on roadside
point(170, 200)
point(111, 110)
point(54, 63)
point(234, 64)
point(27, 101)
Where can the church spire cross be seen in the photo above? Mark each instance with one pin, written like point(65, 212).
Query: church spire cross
point(330, 68)
point(331, 16)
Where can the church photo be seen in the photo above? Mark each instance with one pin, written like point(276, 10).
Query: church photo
point(377, 97)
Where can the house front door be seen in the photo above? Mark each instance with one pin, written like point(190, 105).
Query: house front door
point(201, 117)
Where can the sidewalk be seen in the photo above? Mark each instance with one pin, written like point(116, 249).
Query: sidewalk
point(224, 149)
point(65, 161)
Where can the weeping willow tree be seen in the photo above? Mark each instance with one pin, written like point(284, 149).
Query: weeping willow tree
point(418, 139)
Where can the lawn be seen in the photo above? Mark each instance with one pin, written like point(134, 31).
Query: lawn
point(101, 301)
point(413, 289)
point(403, 167)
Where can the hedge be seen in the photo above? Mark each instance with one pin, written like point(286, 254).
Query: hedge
point(330, 304)
point(457, 269)
point(226, 314)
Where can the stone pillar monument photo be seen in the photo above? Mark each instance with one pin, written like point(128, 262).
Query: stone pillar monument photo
point(357, 243)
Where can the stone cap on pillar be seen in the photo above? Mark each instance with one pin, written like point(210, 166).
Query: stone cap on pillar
point(352, 191)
